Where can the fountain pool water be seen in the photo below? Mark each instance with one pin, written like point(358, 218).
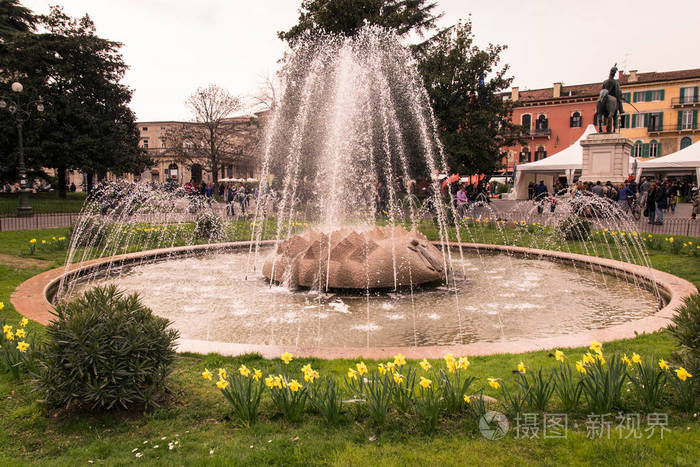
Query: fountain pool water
point(208, 298)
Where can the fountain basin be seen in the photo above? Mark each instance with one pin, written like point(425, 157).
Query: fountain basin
point(31, 299)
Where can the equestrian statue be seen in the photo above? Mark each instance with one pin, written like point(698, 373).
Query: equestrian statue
point(609, 106)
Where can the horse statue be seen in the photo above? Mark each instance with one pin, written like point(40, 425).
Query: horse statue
point(606, 112)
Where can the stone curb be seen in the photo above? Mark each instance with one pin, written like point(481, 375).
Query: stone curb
point(30, 300)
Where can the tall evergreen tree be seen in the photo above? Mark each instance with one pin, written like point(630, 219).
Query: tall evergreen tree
point(345, 17)
point(464, 83)
point(87, 124)
point(15, 18)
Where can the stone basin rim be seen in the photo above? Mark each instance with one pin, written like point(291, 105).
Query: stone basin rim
point(31, 299)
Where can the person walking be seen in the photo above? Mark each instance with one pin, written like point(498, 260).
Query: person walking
point(695, 198)
point(650, 206)
point(624, 198)
point(660, 199)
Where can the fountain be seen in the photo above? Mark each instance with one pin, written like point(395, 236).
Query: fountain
point(383, 257)
point(334, 257)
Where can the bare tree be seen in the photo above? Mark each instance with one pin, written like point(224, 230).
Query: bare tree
point(267, 94)
point(213, 138)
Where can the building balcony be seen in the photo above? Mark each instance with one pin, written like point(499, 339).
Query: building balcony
point(669, 129)
point(685, 102)
point(540, 133)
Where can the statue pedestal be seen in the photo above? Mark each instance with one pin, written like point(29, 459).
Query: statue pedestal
point(606, 158)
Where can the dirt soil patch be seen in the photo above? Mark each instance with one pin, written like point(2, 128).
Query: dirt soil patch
point(20, 262)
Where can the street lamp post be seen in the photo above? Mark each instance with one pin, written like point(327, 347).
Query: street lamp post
point(21, 113)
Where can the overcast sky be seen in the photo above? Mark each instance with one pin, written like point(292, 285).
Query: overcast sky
point(175, 46)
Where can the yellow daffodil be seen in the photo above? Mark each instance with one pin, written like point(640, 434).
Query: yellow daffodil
point(206, 374)
point(596, 346)
point(270, 382)
point(636, 358)
point(2, 305)
point(559, 355)
point(683, 374)
point(20, 333)
point(588, 358)
point(467, 399)
point(222, 384)
point(24, 321)
point(599, 357)
point(6, 328)
point(391, 366)
point(306, 368)
point(352, 374)
point(286, 358)
point(222, 373)
point(626, 360)
point(244, 371)
point(257, 374)
point(32, 241)
point(425, 364)
point(361, 368)
point(462, 363)
point(580, 367)
point(60, 239)
point(43, 242)
point(382, 369)
point(670, 240)
point(521, 368)
point(663, 364)
point(398, 378)
point(399, 360)
point(294, 386)
point(9, 336)
point(22, 346)
point(493, 382)
point(310, 376)
point(425, 382)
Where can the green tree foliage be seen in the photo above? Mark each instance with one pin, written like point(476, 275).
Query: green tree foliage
point(464, 83)
point(346, 17)
point(15, 18)
point(87, 124)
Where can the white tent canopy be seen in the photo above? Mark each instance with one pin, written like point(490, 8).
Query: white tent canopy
point(685, 160)
point(566, 162)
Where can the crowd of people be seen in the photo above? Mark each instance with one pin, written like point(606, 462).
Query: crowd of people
point(652, 197)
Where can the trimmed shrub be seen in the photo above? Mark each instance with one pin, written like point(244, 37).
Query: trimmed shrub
point(209, 226)
point(575, 228)
point(105, 350)
point(685, 328)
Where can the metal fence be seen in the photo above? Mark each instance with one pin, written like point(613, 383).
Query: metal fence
point(38, 221)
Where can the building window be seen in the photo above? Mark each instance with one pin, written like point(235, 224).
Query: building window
point(145, 128)
point(687, 119)
point(638, 121)
point(575, 121)
point(525, 154)
point(172, 171)
point(689, 95)
point(525, 121)
point(540, 153)
point(145, 144)
point(162, 142)
point(649, 96)
point(542, 122)
point(654, 148)
point(637, 150)
point(656, 121)
point(685, 142)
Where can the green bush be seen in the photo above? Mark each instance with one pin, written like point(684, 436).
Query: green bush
point(685, 328)
point(105, 350)
point(209, 226)
point(575, 228)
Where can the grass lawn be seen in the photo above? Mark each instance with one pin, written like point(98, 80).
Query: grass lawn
point(198, 418)
point(43, 202)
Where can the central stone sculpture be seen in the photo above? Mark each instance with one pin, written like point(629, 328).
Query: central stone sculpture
point(382, 257)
